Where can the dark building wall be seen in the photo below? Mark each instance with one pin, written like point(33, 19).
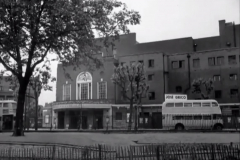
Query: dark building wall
point(206, 71)
point(105, 72)
point(168, 46)
point(128, 50)
point(157, 83)
point(237, 35)
point(207, 43)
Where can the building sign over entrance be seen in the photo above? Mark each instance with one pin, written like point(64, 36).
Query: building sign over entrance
point(169, 97)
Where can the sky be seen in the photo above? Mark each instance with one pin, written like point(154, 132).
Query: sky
point(172, 19)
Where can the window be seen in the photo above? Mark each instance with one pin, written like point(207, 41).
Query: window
point(179, 89)
point(1, 88)
point(5, 111)
point(174, 64)
point(102, 90)
point(141, 61)
point(216, 78)
point(187, 104)
point(196, 63)
point(151, 63)
point(214, 104)
point(84, 91)
point(182, 64)
point(232, 59)
point(211, 61)
point(151, 95)
point(234, 92)
point(67, 92)
point(84, 86)
point(47, 118)
point(233, 76)
point(5, 105)
point(178, 117)
point(150, 77)
point(220, 60)
point(178, 64)
point(197, 117)
point(178, 104)
point(170, 105)
point(118, 116)
point(206, 104)
point(207, 117)
point(188, 117)
point(196, 104)
point(218, 94)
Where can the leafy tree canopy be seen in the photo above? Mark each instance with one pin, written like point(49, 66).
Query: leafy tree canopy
point(31, 30)
point(204, 87)
point(131, 80)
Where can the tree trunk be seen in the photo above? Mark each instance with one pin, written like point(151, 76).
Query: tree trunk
point(136, 127)
point(36, 114)
point(18, 127)
point(130, 116)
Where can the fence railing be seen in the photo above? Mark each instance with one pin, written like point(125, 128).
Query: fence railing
point(178, 151)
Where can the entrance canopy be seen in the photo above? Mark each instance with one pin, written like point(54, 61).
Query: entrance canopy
point(79, 106)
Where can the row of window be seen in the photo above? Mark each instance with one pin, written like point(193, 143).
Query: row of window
point(194, 104)
point(218, 93)
point(85, 91)
point(212, 61)
point(196, 117)
point(233, 93)
point(233, 77)
point(150, 63)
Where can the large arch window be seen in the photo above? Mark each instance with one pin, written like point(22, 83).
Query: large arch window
point(84, 86)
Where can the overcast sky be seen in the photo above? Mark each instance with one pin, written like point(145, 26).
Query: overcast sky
point(171, 19)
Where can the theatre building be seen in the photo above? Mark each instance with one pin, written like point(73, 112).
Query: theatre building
point(93, 101)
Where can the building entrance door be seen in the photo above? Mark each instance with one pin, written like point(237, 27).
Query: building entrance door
point(7, 122)
point(61, 117)
point(157, 120)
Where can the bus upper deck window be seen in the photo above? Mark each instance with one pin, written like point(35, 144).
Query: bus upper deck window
point(187, 104)
point(14, 105)
point(178, 104)
point(196, 104)
point(5, 104)
point(206, 104)
point(170, 105)
point(214, 104)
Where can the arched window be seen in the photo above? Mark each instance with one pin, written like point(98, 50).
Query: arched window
point(84, 86)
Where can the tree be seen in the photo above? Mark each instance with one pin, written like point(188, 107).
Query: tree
point(30, 31)
point(132, 82)
point(200, 84)
point(38, 82)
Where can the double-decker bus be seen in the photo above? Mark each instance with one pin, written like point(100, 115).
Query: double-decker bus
point(192, 114)
point(7, 114)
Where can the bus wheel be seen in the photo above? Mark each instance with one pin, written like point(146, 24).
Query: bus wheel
point(179, 127)
point(218, 127)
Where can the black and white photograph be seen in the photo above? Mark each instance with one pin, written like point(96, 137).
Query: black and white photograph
point(119, 80)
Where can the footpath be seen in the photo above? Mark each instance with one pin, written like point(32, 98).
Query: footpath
point(132, 131)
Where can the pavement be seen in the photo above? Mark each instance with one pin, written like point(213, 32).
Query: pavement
point(132, 131)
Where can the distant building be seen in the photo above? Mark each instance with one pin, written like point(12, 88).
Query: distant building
point(7, 93)
point(171, 65)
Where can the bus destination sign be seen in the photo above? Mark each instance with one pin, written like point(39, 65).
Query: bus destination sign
point(175, 97)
